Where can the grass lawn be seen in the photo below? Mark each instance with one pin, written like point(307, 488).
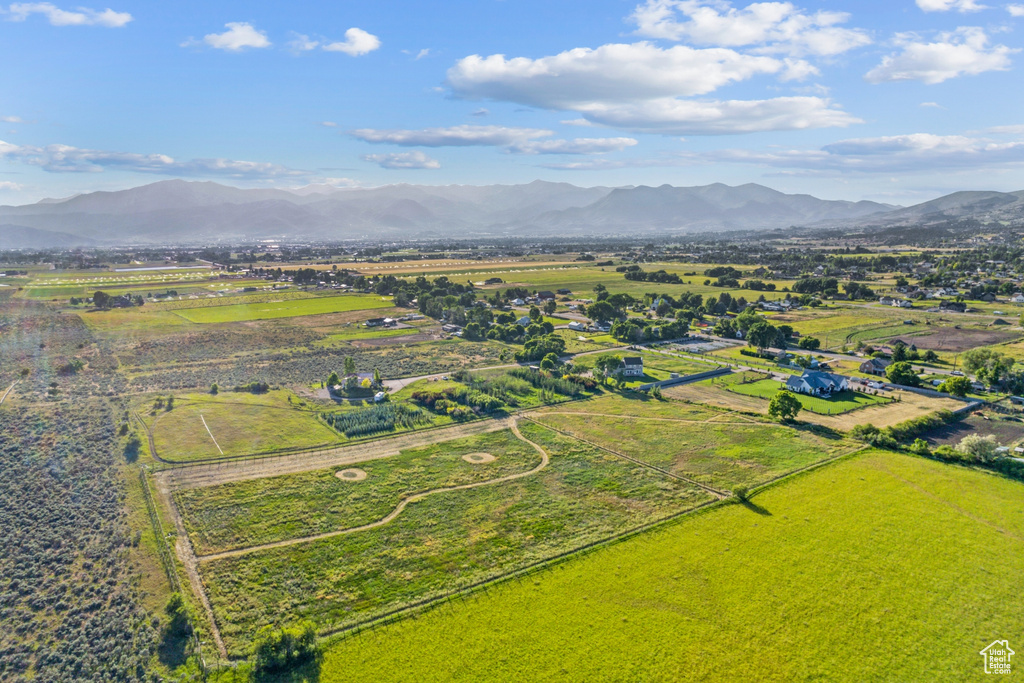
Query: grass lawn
point(881, 567)
point(247, 513)
point(723, 454)
point(842, 402)
point(443, 542)
point(241, 423)
point(287, 308)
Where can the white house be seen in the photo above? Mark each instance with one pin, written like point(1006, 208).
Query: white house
point(632, 366)
point(817, 383)
point(524, 321)
point(903, 303)
point(577, 326)
point(1018, 298)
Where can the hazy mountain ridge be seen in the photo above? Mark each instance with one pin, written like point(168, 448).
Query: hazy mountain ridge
point(177, 211)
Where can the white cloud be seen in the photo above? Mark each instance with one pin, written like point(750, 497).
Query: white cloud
point(83, 16)
point(12, 119)
point(403, 160)
point(898, 153)
point(934, 105)
point(577, 146)
point(1014, 129)
point(239, 35)
point(480, 112)
point(302, 43)
point(328, 124)
point(8, 185)
point(425, 52)
point(963, 52)
point(1015, 10)
point(671, 116)
point(357, 42)
point(454, 136)
point(67, 159)
point(946, 5)
point(616, 72)
point(766, 26)
point(641, 87)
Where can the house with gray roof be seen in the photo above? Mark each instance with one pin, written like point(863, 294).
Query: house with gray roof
point(817, 383)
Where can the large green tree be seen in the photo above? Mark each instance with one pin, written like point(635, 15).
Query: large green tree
point(902, 373)
point(784, 406)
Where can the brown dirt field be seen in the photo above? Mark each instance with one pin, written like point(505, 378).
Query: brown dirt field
point(1006, 431)
point(911, 405)
point(954, 340)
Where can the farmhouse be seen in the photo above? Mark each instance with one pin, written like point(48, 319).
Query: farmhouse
point(545, 295)
point(577, 326)
point(632, 366)
point(875, 366)
point(817, 383)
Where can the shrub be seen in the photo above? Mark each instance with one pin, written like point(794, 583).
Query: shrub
point(979, 448)
point(276, 650)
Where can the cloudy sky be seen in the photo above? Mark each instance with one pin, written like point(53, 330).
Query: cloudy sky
point(897, 101)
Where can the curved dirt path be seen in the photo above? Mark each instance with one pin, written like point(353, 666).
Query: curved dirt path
point(544, 460)
point(9, 390)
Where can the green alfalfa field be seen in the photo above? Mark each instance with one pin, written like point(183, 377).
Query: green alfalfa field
point(879, 567)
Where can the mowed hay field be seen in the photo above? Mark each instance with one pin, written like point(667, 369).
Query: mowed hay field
point(286, 308)
point(443, 542)
point(238, 423)
point(724, 453)
point(879, 567)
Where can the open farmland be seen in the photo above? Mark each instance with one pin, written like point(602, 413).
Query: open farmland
point(722, 451)
point(286, 308)
point(444, 541)
point(255, 512)
point(882, 566)
point(202, 426)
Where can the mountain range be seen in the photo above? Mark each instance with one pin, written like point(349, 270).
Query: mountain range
point(179, 212)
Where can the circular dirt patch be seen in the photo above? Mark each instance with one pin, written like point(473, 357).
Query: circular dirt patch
point(353, 474)
point(478, 458)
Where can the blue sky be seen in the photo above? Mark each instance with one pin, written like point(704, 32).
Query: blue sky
point(897, 101)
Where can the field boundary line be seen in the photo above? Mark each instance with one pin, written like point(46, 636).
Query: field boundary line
point(210, 433)
point(188, 559)
point(391, 516)
point(709, 489)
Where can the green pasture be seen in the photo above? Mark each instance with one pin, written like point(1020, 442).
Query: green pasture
point(241, 423)
point(443, 542)
point(842, 402)
point(724, 453)
point(880, 567)
point(249, 513)
point(286, 308)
